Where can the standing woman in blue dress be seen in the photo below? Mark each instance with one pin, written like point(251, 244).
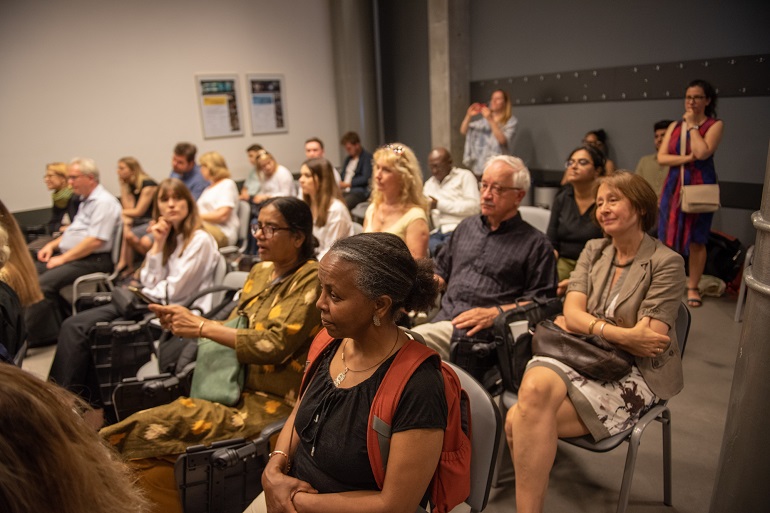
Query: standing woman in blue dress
point(688, 233)
point(490, 134)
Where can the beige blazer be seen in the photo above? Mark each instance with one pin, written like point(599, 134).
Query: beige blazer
point(653, 288)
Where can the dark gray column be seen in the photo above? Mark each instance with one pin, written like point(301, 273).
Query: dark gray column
point(448, 43)
point(353, 48)
point(744, 463)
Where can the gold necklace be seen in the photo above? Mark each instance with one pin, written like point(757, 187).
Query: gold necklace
point(342, 375)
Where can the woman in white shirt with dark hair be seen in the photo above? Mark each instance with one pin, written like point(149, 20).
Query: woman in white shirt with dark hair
point(331, 218)
point(218, 204)
point(179, 264)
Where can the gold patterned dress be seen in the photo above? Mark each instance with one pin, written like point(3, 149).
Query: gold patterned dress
point(283, 320)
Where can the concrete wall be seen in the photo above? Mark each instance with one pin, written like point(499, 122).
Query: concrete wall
point(107, 79)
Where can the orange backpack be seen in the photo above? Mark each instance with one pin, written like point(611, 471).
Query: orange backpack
point(451, 483)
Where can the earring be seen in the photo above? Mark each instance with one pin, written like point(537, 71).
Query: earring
point(376, 320)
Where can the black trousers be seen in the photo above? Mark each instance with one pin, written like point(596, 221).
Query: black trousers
point(73, 364)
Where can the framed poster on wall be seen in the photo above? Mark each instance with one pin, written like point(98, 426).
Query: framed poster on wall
point(267, 100)
point(218, 101)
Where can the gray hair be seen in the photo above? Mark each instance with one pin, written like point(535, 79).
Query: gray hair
point(5, 249)
point(87, 167)
point(384, 267)
point(521, 176)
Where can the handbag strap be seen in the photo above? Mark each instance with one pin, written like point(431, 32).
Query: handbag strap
point(682, 149)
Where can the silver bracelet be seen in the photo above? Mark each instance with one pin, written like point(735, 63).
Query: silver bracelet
point(601, 330)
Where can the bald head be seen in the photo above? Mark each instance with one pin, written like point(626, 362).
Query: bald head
point(440, 163)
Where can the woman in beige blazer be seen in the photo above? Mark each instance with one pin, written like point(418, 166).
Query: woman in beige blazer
point(626, 288)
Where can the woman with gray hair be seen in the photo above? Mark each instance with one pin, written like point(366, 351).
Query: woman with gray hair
point(320, 462)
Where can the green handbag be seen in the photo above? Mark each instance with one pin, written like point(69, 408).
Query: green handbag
point(219, 376)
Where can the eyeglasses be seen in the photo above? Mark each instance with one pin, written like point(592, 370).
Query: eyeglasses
point(580, 162)
point(694, 98)
point(49, 175)
point(496, 189)
point(268, 230)
point(74, 177)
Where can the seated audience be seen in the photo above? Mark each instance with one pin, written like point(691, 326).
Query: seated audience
point(136, 192)
point(85, 247)
point(252, 184)
point(279, 300)
point(626, 288)
point(366, 282)
point(64, 202)
point(398, 205)
point(276, 179)
point(357, 171)
point(331, 219)
point(490, 133)
point(12, 330)
point(218, 205)
point(184, 168)
point(572, 221)
point(648, 166)
point(179, 264)
point(50, 459)
point(452, 191)
point(491, 260)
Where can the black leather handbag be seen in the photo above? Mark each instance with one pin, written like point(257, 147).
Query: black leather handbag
point(590, 355)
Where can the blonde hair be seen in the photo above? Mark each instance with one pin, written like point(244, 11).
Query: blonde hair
point(323, 174)
point(138, 174)
point(507, 113)
point(401, 158)
point(60, 168)
point(51, 459)
point(216, 164)
point(19, 271)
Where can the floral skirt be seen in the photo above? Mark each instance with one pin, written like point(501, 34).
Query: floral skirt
point(605, 407)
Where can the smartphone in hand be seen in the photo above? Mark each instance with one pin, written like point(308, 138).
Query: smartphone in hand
point(141, 295)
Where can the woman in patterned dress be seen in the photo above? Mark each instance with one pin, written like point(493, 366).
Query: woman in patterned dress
point(625, 288)
point(688, 233)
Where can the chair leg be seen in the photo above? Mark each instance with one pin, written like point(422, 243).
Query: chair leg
point(667, 488)
point(628, 474)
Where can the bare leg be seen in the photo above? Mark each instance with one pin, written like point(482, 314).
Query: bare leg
point(697, 264)
point(532, 428)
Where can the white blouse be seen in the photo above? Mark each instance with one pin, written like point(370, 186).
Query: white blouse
point(224, 193)
point(186, 272)
point(338, 226)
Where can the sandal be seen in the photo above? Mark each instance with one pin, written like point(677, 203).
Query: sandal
point(694, 302)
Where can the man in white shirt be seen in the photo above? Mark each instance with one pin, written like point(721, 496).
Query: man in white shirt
point(85, 247)
point(453, 194)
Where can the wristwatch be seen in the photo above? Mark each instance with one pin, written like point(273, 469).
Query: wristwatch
point(696, 127)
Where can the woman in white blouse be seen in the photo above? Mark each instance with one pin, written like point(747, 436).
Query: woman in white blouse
point(331, 219)
point(276, 179)
point(179, 264)
point(218, 204)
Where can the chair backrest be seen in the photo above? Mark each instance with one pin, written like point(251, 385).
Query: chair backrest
point(356, 228)
point(219, 275)
point(487, 427)
point(536, 216)
point(117, 245)
point(244, 218)
point(682, 326)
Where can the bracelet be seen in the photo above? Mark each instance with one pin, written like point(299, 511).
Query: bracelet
point(288, 461)
point(499, 309)
point(200, 328)
point(601, 330)
point(591, 326)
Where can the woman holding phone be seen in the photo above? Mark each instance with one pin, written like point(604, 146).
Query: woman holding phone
point(490, 133)
point(180, 263)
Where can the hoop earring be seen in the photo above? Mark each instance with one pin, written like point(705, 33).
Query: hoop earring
point(376, 320)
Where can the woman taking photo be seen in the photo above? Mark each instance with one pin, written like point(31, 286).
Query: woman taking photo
point(490, 134)
point(331, 218)
point(180, 263)
point(626, 288)
point(136, 192)
point(320, 462)
point(701, 132)
point(572, 213)
point(218, 204)
point(398, 204)
point(279, 300)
